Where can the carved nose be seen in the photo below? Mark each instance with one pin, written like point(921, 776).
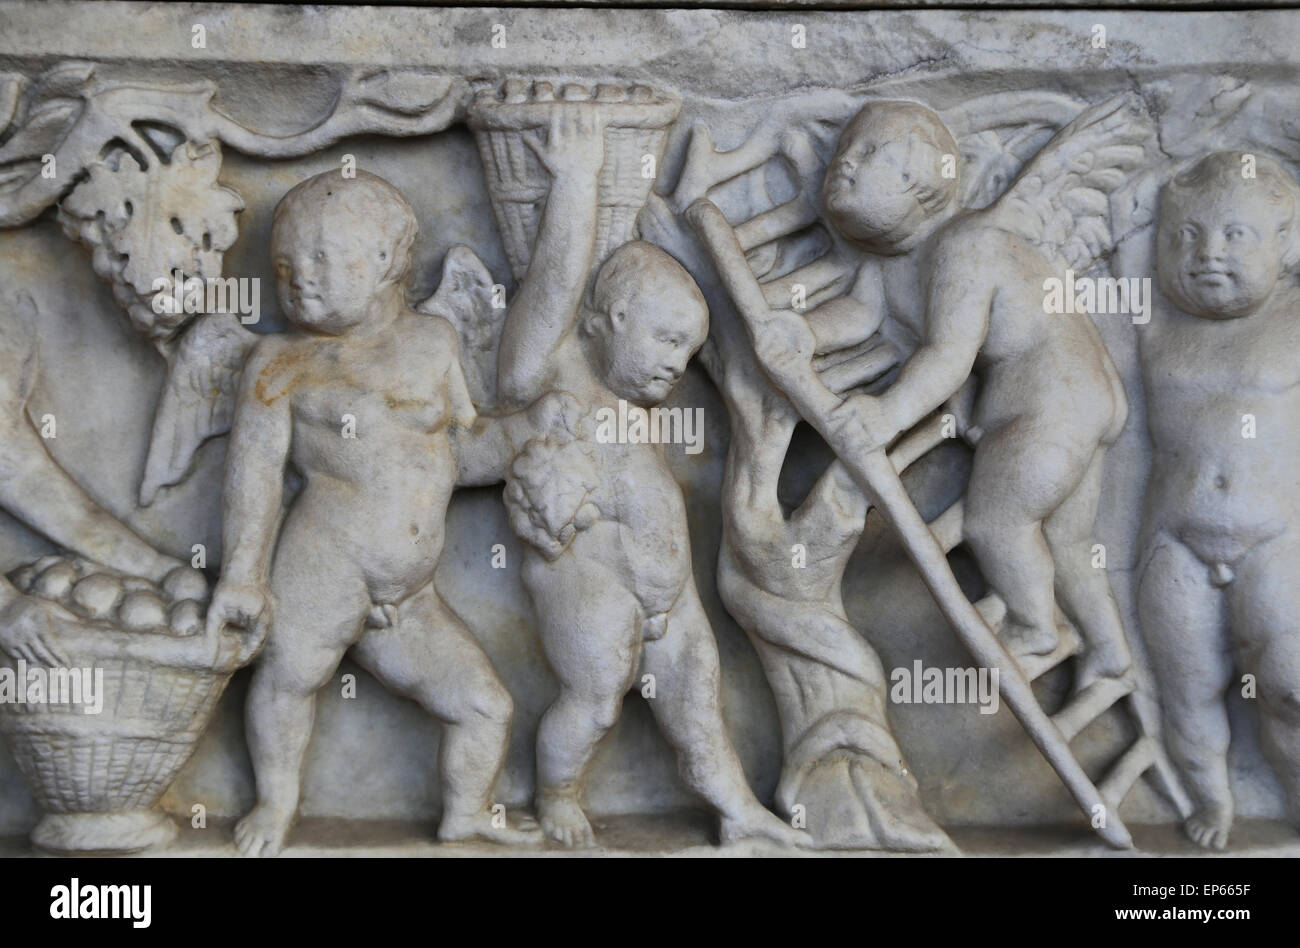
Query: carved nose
point(1211, 248)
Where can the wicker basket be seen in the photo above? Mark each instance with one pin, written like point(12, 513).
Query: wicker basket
point(636, 120)
point(99, 777)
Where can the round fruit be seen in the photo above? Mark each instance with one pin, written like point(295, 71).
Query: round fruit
point(186, 618)
point(56, 582)
point(97, 595)
point(185, 583)
point(45, 562)
point(142, 611)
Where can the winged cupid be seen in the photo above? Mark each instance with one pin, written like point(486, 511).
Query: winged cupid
point(198, 399)
point(1049, 400)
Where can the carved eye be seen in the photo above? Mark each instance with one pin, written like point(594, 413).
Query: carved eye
point(1187, 233)
point(320, 254)
point(383, 255)
point(1235, 232)
point(176, 226)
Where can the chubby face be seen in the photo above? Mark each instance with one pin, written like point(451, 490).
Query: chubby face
point(1220, 251)
point(648, 340)
point(328, 269)
point(874, 185)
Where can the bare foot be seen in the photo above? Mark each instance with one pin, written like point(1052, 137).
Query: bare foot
point(562, 820)
point(1028, 639)
point(1102, 660)
point(1208, 827)
point(264, 831)
point(484, 825)
point(758, 823)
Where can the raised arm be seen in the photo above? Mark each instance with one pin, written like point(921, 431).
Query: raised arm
point(545, 308)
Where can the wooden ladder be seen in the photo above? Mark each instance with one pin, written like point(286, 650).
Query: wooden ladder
point(1146, 754)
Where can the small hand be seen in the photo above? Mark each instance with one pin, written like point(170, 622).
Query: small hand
point(785, 345)
point(27, 630)
point(860, 424)
point(575, 144)
point(247, 605)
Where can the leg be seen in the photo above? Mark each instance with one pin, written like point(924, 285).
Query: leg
point(429, 656)
point(1265, 603)
point(1184, 620)
point(320, 605)
point(591, 632)
point(1019, 476)
point(1083, 590)
point(687, 705)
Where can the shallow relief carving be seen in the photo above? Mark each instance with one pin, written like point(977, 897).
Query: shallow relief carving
point(874, 265)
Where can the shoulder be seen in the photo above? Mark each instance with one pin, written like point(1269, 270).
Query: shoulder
point(270, 349)
point(974, 233)
point(273, 363)
point(431, 329)
point(974, 248)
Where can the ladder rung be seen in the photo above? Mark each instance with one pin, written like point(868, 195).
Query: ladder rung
point(947, 526)
point(788, 218)
point(1089, 704)
point(994, 611)
point(813, 277)
point(1120, 778)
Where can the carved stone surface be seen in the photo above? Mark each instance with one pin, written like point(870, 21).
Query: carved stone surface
point(871, 432)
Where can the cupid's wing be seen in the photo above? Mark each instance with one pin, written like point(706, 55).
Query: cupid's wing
point(198, 401)
point(465, 299)
point(1060, 201)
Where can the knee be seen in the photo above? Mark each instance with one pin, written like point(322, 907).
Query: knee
point(275, 675)
point(493, 703)
point(488, 703)
point(598, 712)
point(605, 711)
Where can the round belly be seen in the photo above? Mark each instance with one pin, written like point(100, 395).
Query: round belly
point(393, 528)
point(1219, 510)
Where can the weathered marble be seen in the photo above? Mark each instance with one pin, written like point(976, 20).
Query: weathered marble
point(471, 230)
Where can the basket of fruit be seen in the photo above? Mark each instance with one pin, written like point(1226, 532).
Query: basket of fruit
point(636, 120)
point(99, 769)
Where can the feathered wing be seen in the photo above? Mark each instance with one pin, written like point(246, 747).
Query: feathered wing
point(998, 133)
point(198, 401)
point(1060, 201)
point(465, 299)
